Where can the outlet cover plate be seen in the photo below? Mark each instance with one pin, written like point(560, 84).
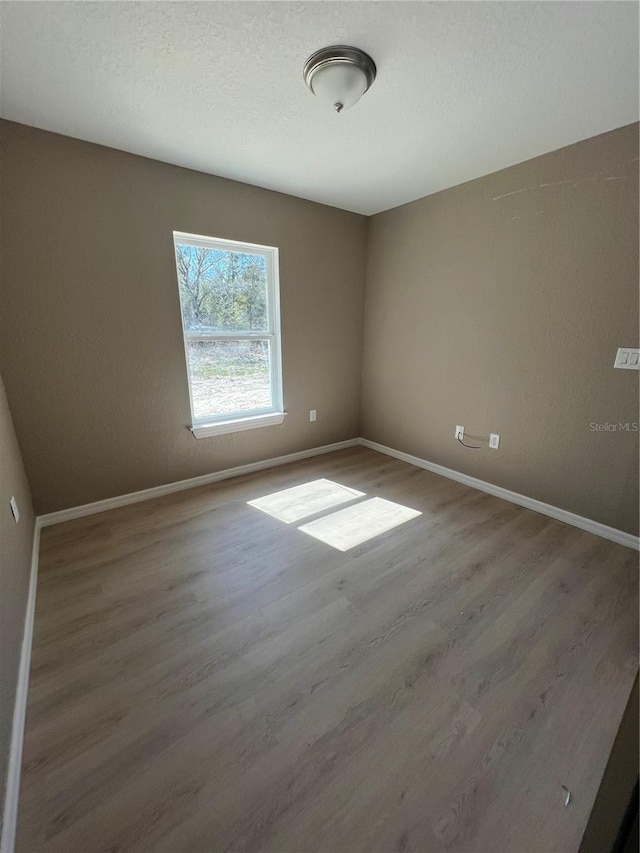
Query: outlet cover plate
point(14, 510)
point(627, 358)
point(494, 441)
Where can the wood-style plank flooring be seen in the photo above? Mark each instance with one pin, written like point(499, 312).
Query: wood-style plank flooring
point(207, 677)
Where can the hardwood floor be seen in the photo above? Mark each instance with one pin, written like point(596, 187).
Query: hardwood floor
point(208, 677)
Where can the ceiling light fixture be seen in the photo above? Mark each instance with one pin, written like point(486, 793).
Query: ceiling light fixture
point(339, 74)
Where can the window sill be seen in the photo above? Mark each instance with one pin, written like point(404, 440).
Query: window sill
point(237, 424)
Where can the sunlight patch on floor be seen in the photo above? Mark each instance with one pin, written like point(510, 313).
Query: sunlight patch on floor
point(356, 524)
point(307, 499)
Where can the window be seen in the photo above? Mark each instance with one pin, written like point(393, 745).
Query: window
point(231, 323)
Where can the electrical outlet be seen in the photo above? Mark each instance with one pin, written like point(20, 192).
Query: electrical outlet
point(494, 441)
point(312, 415)
point(459, 433)
point(14, 510)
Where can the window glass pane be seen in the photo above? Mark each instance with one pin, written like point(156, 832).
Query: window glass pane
point(229, 376)
point(222, 291)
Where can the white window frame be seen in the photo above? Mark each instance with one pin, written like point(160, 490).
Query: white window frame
point(235, 421)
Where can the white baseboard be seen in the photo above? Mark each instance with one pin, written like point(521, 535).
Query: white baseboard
point(182, 485)
point(10, 813)
point(587, 524)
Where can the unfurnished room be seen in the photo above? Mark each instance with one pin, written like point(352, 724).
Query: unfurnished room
point(319, 412)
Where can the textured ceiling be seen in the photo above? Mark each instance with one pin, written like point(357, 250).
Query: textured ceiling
point(463, 88)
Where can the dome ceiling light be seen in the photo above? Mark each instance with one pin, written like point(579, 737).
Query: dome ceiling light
point(340, 75)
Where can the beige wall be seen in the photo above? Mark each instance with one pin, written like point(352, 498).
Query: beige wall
point(616, 788)
point(90, 332)
point(16, 542)
point(499, 305)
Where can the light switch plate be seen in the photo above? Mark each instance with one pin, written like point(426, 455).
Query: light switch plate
point(628, 359)
point(494, 441)
point(14, 510)
point(312, 415)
